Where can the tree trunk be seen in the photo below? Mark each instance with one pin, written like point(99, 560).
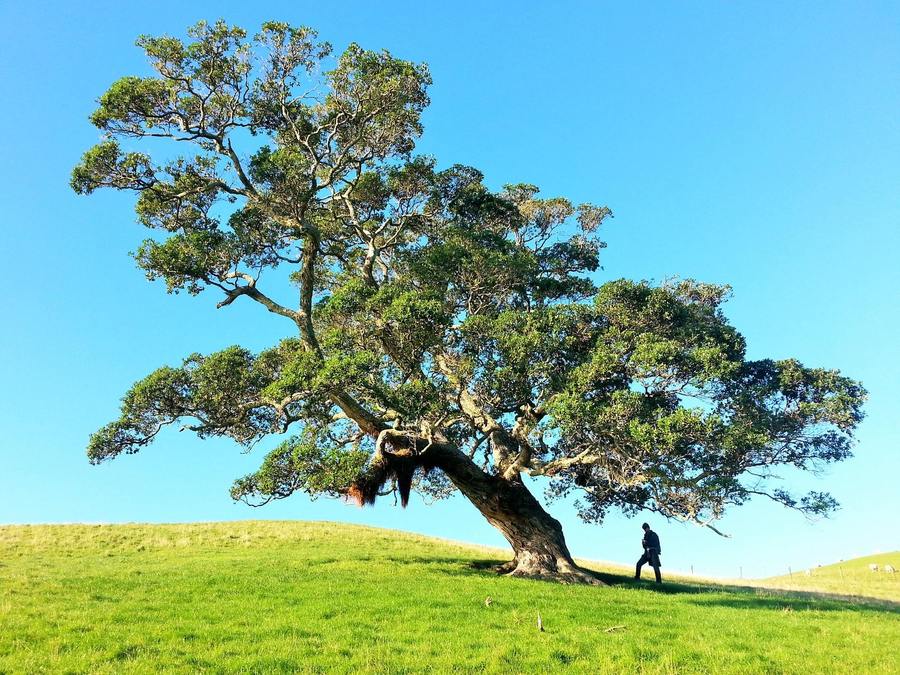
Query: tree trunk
point(536, 537)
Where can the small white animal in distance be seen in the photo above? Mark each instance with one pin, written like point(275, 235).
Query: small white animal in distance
point(873, 567)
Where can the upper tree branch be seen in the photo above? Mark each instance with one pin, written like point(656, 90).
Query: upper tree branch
point(253, 292)
point(503, 444)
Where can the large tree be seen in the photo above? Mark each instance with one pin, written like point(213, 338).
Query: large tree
point(444, 336)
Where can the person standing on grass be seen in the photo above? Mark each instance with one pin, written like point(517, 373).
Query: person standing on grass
point(652, 549)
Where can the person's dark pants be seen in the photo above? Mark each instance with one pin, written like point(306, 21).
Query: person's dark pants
point(652, 557)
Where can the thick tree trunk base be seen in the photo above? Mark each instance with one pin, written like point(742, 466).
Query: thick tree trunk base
point(536, 537)
point(563, 572)
point(506, 567)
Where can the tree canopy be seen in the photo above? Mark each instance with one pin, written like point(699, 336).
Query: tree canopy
point(444, 335)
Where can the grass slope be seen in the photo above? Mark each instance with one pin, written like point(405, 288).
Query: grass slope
point(848, 577)
point(292, 596)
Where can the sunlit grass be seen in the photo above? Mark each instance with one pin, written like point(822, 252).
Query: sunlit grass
point(849, 577)
point(322, 597)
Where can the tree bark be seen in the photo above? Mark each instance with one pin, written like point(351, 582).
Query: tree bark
point(536, 537)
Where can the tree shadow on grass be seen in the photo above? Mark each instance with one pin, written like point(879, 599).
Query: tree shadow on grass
point(453, 561)
point(719, 595)
point(741, 596)
point(750, 598)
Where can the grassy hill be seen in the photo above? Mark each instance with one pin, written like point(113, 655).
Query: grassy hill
point(848, 577)
point(320, 597)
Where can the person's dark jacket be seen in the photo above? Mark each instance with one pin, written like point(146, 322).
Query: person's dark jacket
point(651, 541)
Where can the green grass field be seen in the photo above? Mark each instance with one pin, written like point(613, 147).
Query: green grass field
point(850, 577)
point(263, 597)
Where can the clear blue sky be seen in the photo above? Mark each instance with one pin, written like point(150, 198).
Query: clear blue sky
point(756, 144)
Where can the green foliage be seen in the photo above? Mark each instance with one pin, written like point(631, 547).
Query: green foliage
point(678, 417)
point(292, 370)
point(181, 197)
point(522, 356)
point(433, 310)
point(159, 398)
point(105, 165)
point(382, 97)
point(184, 261)
point(307, 463)
point(228, 393)
point(135, 103)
